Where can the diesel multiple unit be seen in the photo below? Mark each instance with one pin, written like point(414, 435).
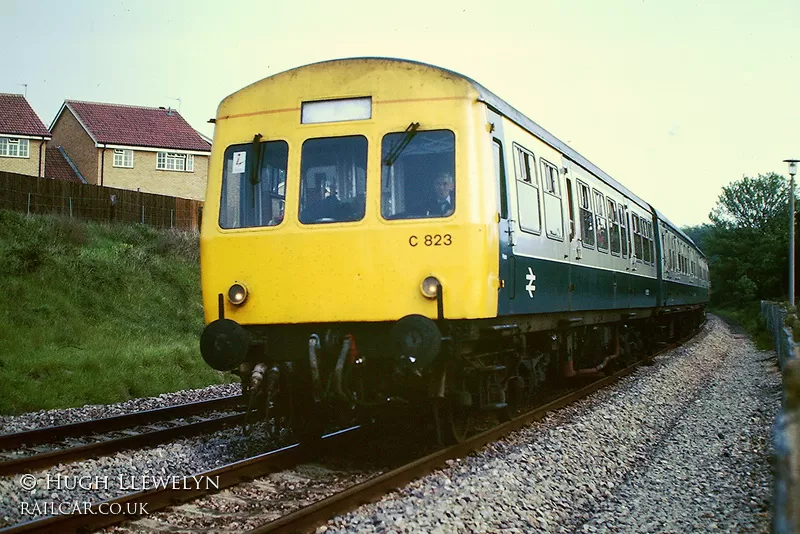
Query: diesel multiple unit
point(380, 232)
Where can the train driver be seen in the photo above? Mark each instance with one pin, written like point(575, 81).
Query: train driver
point(442, 203)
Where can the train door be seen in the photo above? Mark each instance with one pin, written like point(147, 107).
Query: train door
point(574, 252)
point(659, 235)
point(507, 270)
point(629, 284)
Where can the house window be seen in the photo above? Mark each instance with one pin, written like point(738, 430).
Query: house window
point(123, 158)
point(14, 148)
point(173, 161)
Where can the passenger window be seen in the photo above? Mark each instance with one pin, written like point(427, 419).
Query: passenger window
point(613, 222)
point(645, 246)
point(571, 209)
point(623, 227)
point(600, 220)
point(333, 180)
point(586, 217)
point(675, 265)
point(637, 236)
point(553, 210)
point(419, 181)
point(527, 191)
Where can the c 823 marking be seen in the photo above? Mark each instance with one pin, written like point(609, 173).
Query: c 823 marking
point(431, 240)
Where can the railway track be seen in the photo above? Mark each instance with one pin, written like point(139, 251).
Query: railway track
point(13, 458)
point(306, 517)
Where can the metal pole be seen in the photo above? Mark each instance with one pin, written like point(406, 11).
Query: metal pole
point(792, 171)
point(791, 240)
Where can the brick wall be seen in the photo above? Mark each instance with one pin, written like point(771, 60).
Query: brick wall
point(145, 177)
point(29, 165)
point(68, 133)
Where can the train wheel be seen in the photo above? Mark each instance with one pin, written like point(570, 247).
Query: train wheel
point(309, 428)
point(451, 421)
point(627, 349)
point(517, 391)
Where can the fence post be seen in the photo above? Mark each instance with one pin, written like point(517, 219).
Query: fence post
point(143, 213)
point(70, 207)
point(171, 214)
point(29, 203)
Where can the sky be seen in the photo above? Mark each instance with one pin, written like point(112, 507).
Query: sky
point(674, 99)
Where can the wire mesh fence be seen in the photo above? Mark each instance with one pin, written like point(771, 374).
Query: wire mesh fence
point(786, 432)
point(30, 195)
point(775, 317)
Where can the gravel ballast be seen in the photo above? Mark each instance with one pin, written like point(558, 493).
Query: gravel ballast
point(681, 446)
point(45, 418)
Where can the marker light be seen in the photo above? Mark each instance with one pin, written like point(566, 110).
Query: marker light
point(429, 287)
point(237, 294)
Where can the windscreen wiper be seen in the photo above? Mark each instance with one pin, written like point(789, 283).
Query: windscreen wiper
point(255, 167)
point(397, 149)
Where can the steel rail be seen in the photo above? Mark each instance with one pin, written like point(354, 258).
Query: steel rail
point(159, 498)
point(99, 448)
point(319, 512)
point(373, 489)
point(52, 434)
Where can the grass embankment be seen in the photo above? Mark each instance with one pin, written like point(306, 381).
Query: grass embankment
point(92, 313)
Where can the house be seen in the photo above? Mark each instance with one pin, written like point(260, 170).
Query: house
point(153, 150)
point(60, 167)
point(23, 137)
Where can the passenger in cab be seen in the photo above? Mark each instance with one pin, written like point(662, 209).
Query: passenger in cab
point(278, 216)
point(323, 205)
point(442, 203)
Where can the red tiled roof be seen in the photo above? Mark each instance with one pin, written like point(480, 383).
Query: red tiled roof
point(137, 126)
point(56, 167)
point(18, 117)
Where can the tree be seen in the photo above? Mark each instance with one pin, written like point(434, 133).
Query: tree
point(699, 234)
point(747, 246)
point(754, 203)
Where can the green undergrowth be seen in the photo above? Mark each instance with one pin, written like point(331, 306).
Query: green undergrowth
point(96, 313)
point(747, 316)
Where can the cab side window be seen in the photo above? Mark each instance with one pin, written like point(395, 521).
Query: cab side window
point(500, 175)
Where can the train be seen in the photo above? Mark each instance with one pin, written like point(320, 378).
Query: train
point(382, 234)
